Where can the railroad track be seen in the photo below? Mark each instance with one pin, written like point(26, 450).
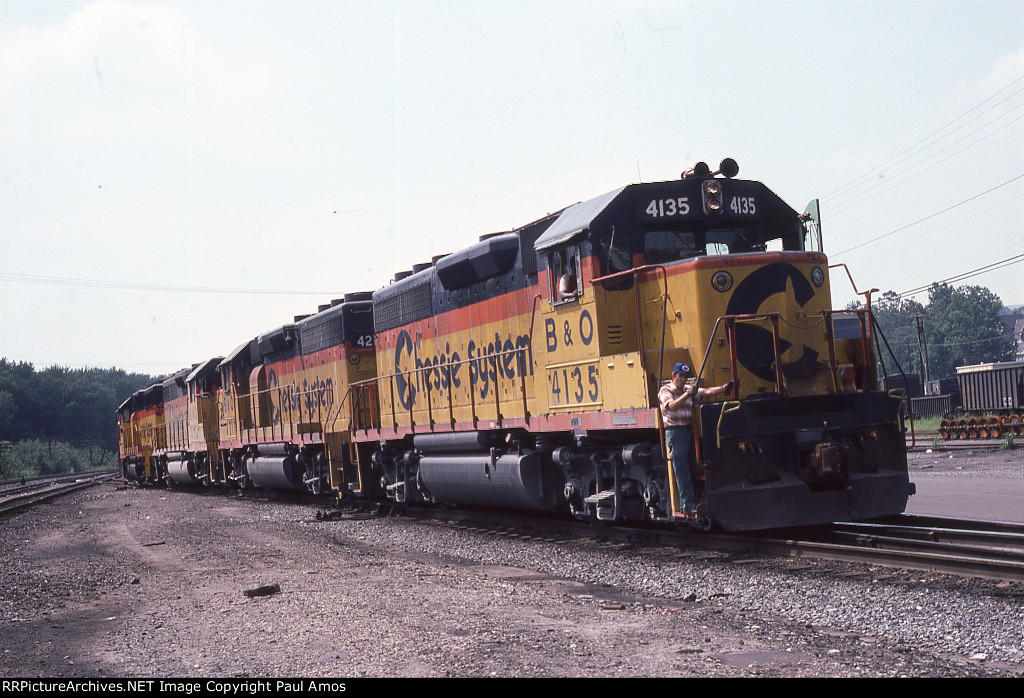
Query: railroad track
point(21, 494)
point(990, 550)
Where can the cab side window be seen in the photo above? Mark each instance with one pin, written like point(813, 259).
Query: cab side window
point(564, 275)
point(613, 251)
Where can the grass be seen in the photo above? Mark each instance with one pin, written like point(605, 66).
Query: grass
point(927, 424)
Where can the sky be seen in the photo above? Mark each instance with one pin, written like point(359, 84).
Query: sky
point(178, 177)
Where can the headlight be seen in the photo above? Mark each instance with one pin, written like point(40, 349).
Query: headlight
point(712, 193)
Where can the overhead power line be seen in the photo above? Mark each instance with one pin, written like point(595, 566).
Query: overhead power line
point(975, 341)
point(933, 215)
point(924, 142)
point(132, 286)
point(894, 181)
point(967, 274)
point(955, 344)
point(970, 217)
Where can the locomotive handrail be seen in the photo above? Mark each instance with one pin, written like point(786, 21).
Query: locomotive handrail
point(318, 419)
point(733, 359)
point(867, 304)
point(830, 339)
point(774, 318)
point(865, 343)
point(373, 384)
point(910, 403)
point(866, 294)
point(176, 434)
point(727, 406)
point(533, 318)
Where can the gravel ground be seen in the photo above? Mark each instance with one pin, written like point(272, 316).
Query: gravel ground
point(131, 582)
point(964, 463)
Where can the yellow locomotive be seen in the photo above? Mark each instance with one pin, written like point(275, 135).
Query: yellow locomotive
point(142, 434)
point(523, 371)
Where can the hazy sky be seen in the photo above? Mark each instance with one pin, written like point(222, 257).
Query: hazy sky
point(319, 147)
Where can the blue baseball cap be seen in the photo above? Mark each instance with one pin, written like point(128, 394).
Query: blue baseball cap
point(683, 368)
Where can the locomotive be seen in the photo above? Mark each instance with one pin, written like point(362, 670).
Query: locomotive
point(522, 373)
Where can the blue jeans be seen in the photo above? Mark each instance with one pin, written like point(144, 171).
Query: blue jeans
point(681, 452)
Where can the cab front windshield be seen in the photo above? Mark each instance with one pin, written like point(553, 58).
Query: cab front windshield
point(662, 246)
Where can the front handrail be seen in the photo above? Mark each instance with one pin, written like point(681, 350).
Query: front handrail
point(866, 319)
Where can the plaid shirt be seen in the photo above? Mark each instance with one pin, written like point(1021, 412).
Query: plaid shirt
point(681, 416)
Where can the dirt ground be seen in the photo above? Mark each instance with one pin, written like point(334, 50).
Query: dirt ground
point(123, 582)
point(939, 459)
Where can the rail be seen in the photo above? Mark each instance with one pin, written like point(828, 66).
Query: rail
point(47, 488)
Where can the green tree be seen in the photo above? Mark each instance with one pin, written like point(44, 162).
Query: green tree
point(8, 411)
point(963, 328)
point(896, 317)
point(61, 406)
point(19, 379)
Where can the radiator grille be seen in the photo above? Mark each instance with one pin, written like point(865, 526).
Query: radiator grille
point(393, 308)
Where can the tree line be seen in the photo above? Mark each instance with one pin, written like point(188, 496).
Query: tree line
point(957, 327)
point(58, 418)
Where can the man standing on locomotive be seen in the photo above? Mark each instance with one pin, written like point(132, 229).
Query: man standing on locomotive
point(677, 399)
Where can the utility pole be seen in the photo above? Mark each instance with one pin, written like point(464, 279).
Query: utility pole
point(922, 348)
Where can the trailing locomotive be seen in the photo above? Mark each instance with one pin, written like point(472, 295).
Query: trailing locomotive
point(140, 432)
point(522, 372)
point(269, 414)
point(283, 421)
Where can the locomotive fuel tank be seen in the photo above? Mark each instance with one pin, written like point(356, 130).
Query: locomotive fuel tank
point(513, 481)
point(276, 467)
